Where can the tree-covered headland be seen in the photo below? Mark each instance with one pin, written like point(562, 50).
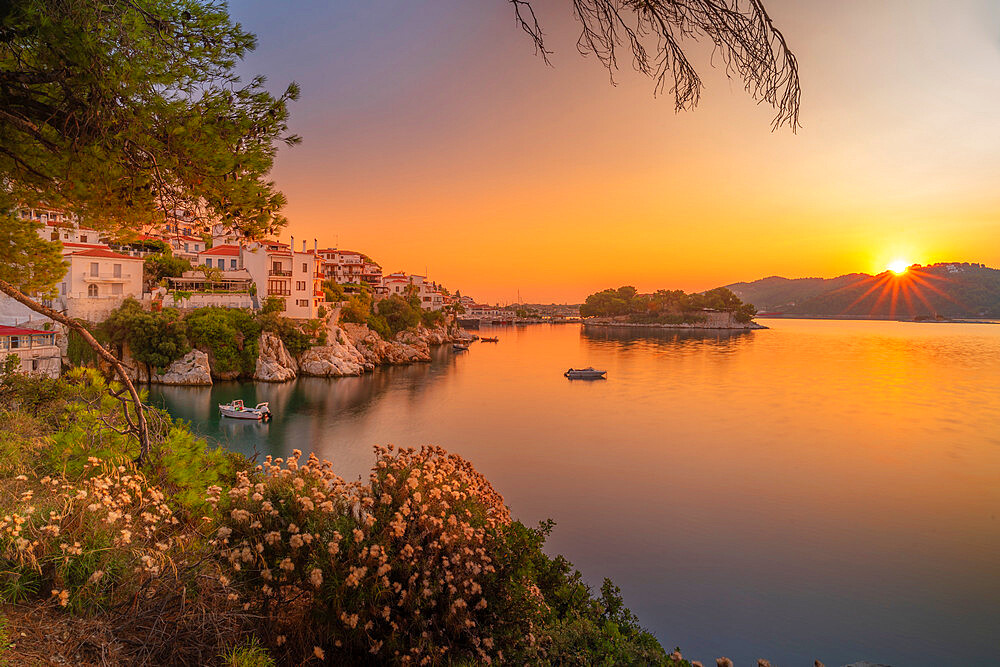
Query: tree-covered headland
point(665, 306)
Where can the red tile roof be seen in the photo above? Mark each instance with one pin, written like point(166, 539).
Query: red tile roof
point(17, 331)
point(232, 250)
point(71, 246)
point(101, 252)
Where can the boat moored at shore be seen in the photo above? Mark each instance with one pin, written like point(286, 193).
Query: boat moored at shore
point(236, 410)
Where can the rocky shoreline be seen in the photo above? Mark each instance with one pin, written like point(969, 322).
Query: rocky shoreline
point(351, 349)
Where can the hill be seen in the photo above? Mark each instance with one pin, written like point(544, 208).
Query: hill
point(952, 289)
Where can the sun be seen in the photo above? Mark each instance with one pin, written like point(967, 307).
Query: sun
point(899, 267)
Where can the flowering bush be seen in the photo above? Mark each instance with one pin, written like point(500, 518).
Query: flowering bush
point(420, 564)
point(90, 543)
point(396, 569)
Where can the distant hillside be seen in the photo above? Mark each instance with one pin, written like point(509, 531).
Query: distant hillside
point(947, 289)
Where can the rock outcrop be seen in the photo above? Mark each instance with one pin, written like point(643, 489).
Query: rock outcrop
point(377, 351)
point(337, 358)
point(190, 370)
point(274, 363)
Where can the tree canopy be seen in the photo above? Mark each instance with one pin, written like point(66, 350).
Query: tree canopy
point(121, 111)
point(627, 301)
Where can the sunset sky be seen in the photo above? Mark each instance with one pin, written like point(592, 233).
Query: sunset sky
point(435, 139)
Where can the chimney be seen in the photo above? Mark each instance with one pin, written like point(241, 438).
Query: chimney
point(291, 246)
point(303, 245)
point(315, 245)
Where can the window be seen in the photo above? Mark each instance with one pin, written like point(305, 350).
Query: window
point(185, 247)
point(116, 288)
point(208, 261)
point(83, 238)
point(116, 270)
point(4, 342)
point(54, 236)
point(305, 268)
point(95, 269)
point(300, 285)
point(65, 235)
point(302, 302)
point(91, 290)
point(62, 288)
point(16, 343)
point(232, 264)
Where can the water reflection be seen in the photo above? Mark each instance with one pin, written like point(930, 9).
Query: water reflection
point(627, 337)
point(303, 410)
point(821, 489)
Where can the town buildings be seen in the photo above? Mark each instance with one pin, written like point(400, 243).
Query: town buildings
point(280, 271)
point(102, 272)
point(35, 349)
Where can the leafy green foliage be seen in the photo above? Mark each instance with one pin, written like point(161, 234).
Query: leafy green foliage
point(272, 304)
point(399, 313)
point(431, 318)
point(26, 261)
point(357, 310)
point(154, 338)
point(116, 137)
point(231, 336)
point(332, 291)
point(297, 337)
point(665, 306)
point(157, 267)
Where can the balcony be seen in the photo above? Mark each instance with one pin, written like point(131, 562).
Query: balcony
point(280, 272)
point(107, 277)
point(274, 291)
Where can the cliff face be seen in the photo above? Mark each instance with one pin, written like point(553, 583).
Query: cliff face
point(339, 357)
point(378, 351)
point(192, 369)
point(351, 349)
point(274, 363)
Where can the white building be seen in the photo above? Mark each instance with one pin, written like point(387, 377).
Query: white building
point(186, 246)
point(97, 280)
point(279, 271)
point(224, 257)
point(429, 293)
point(36, 350)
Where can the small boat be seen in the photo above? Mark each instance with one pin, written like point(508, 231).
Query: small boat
point(585, 374)
point(459, 347)
point(237, 410)
point(489, 340)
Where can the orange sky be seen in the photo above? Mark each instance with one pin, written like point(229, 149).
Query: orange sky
point(435, 139)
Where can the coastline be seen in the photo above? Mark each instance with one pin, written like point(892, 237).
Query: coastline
point(350, 350)
point(698, 326)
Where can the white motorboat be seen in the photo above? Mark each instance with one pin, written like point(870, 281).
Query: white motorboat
point(237, 410)
point(459, 347)
point(588, 373)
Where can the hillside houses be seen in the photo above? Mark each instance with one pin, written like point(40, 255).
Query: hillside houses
point(101, 272)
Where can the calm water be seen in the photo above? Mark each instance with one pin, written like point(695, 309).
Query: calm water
point(821, 489)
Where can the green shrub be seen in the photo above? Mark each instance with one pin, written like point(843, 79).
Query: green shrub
point(230, 335)
point(155, 339)
point(398, 313)
point(357, 310)
point(157, 267)
point(431, 318)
